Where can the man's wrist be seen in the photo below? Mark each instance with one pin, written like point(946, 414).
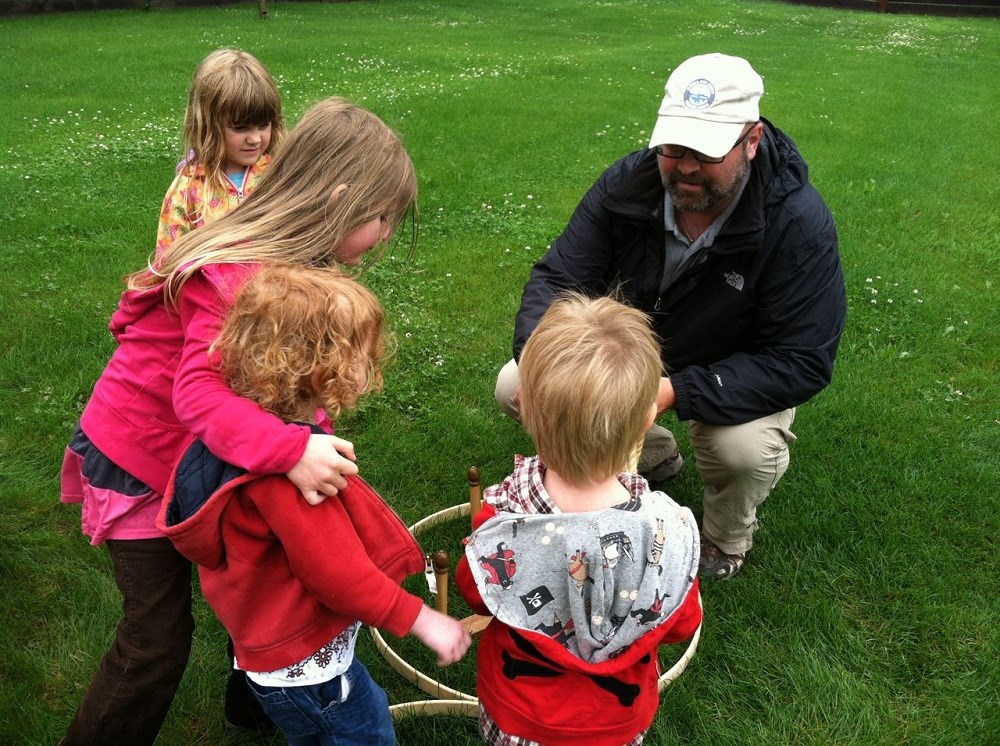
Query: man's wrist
point(665, 397)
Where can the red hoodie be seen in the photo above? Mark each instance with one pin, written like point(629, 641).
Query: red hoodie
point(285, 577)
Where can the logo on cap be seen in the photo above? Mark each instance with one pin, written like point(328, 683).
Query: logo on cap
point(699, 94)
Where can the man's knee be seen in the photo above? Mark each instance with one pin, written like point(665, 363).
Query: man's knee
point(743, 455)
point(750, 450)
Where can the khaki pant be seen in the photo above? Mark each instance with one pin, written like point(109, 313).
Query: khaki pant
point(740, 464)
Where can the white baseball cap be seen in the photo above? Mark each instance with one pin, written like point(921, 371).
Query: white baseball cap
point(707, 102)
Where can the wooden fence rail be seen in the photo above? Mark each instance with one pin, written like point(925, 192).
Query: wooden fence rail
point(921, 7)
point(924, 7)
point(24, 7)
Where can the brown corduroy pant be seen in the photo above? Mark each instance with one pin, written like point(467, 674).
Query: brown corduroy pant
point(136, 680)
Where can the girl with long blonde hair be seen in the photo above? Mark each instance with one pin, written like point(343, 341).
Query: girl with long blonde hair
point(341, 186)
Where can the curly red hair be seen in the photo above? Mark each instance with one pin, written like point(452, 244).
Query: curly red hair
point(300, 337)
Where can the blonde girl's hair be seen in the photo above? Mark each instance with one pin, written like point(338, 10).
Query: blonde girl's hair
point(293, 215)
point(230, 88)
point(590, 372)
point(300, 337)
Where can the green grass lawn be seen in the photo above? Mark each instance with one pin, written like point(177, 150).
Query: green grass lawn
point(868, 611)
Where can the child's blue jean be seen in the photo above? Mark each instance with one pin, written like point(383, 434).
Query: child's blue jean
point(315, 715)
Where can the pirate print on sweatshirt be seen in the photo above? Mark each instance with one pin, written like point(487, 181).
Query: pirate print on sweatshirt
point(594, 582)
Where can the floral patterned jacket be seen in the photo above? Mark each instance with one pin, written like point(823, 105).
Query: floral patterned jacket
point(191, 202)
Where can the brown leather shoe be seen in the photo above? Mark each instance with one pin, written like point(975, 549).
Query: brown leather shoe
point(670, 467)
point(716, 564)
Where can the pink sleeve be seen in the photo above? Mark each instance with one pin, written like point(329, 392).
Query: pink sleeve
point(234, 429)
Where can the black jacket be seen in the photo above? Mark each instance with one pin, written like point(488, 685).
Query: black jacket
point(751, 330)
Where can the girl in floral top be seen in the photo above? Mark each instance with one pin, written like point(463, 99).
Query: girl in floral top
point(232, 124)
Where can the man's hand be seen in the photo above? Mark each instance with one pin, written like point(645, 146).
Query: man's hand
point(665, 398)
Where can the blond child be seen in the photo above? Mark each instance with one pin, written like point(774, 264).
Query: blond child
point(292, 583)
point(232, 124)
point(341, 186)
point(585, 570)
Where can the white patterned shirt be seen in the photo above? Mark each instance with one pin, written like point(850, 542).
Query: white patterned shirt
point(327, 663)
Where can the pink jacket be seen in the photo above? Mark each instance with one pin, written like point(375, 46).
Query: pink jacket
point(160, 388)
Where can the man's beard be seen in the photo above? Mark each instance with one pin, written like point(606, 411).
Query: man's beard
point(716, 192)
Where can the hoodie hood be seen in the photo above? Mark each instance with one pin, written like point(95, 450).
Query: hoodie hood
point(780, 165)
point(592, 582)
point(199, 490)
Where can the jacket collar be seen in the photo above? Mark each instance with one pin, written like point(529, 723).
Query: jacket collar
point(198, 476)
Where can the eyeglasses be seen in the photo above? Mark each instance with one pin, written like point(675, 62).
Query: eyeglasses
point(676, 152)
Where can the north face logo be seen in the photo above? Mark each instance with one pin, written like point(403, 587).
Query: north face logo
point(734, 279)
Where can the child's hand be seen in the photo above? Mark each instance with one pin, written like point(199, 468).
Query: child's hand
point(322, 472)
point(442, 634)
